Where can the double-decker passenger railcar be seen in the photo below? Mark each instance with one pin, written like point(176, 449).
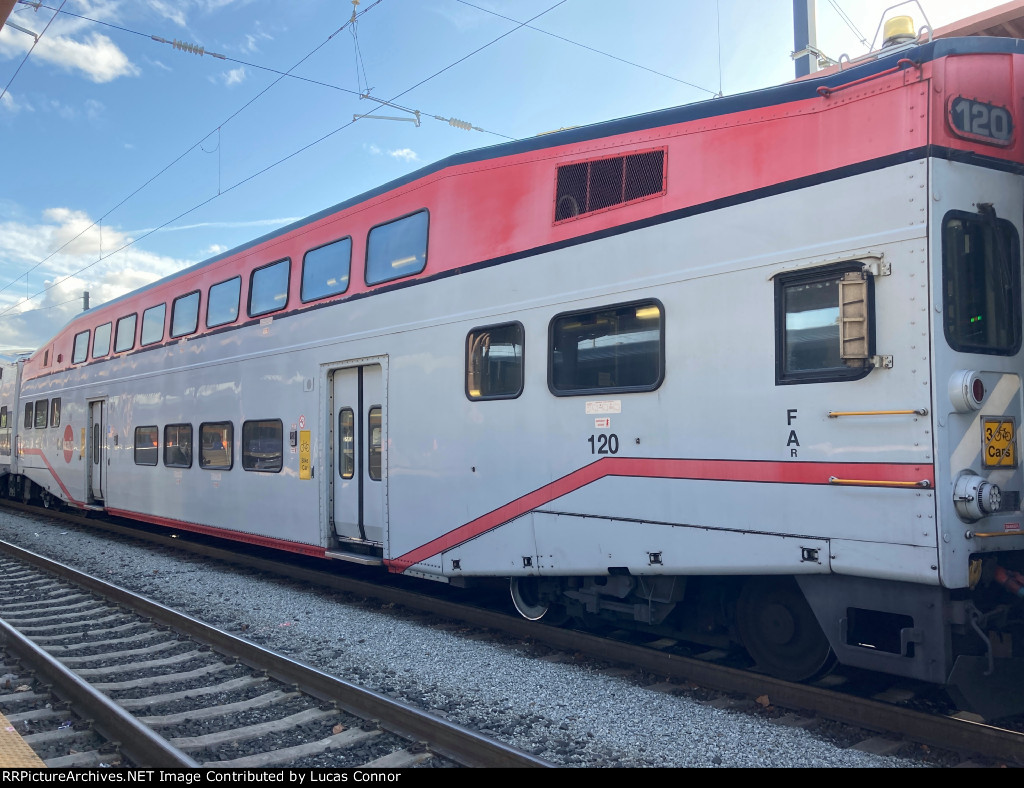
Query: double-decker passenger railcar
point(746, 370)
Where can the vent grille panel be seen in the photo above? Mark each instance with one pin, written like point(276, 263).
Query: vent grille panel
point(597, 185)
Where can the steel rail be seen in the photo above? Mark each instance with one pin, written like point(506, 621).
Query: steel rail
point(443, 737)
point(948, 733)
point(134, 739)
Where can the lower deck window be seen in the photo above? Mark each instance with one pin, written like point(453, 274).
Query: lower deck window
point(262, 445)
point(615, 348)
point(807, 332)
point(178, 446)
point(374, 463)
point(147, 445)
point(41, 413)
point(216, 440)
point(494, 362)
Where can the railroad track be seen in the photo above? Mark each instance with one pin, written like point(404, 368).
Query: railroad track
point(155, 688)
point(878, 721)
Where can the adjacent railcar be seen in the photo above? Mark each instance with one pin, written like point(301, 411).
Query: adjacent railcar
point(747, 370)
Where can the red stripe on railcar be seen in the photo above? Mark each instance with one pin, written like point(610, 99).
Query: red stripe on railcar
point(754, 471)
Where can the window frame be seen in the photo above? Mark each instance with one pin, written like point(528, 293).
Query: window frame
point(348, 272)
point(154, 449)
point(522, 362)
point(45, 411)
point(602, 390)
point(29, 419)
point(166, 445)
point(426, 249)
point(809, 275)
point(110, 336)
point(163, 325)
point(76, 357)
point(231, 439)
point(134, 317)
point(285, 261)
point(1015, 279)
point(174, 312)
point(347, 462)
point(55, 411)
point(238, 301)
point(280, 454)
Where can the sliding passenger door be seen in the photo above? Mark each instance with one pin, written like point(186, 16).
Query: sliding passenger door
point(359, 472)
point(97, 451)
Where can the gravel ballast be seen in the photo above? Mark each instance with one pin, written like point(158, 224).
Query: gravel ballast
point(569, 714)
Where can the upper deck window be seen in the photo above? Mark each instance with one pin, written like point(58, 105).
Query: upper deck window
point(397, 249)
point(587, 187)
point(268, 288)
point(125, 338)
point(614, 348)
point(41, 413)
point(153, 324)
point(81, 349)
point(981, 283)
point(325, 270)
point(222, 302)
point(101, 341)
point(185, 315)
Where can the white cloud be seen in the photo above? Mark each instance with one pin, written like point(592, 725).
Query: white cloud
point(405, 154)
point(175, 13)
point(10, 104)
point(373, 149)
point(29, 323)
point(95, 55)
point(213, 249)
point(234, 77)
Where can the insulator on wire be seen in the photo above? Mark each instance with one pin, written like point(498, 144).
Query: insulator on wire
point(460, 124)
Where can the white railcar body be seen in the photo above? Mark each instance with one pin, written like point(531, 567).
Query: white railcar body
point(683, 409)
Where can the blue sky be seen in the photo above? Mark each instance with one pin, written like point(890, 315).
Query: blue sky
point(111, 139)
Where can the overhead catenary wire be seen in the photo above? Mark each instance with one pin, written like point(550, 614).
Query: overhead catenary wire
point(35, 43)
point(269, 167)
point(182, 155)
point(588, 48)
point(849, 23)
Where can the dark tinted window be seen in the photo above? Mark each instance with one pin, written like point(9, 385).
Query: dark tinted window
point(981, 284)
point(178, 445)
point(268, 290)
point(147, 448)
point(125, 338)
point(81, 350)
point(55, 412)
point(153, 324)
point(325, 270)
point(397, 249)
point(373, 465)
point(616, 348)
point(101, 341)
point(807, 327)
point(41, 413)
point(29, 411)
point(494, 362)
point(346, 443)
point(222, 302)
point(262, 445)
point(215, 447)
point(185, 314)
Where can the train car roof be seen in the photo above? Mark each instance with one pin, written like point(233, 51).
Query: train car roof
point(709, 108)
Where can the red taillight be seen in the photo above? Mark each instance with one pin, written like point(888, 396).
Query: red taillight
point(978, 390)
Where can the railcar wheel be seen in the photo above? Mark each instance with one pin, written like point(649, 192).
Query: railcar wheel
point(779, 630)
point(526, 597)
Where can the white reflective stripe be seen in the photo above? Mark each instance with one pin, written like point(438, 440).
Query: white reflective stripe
point(997, 404)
